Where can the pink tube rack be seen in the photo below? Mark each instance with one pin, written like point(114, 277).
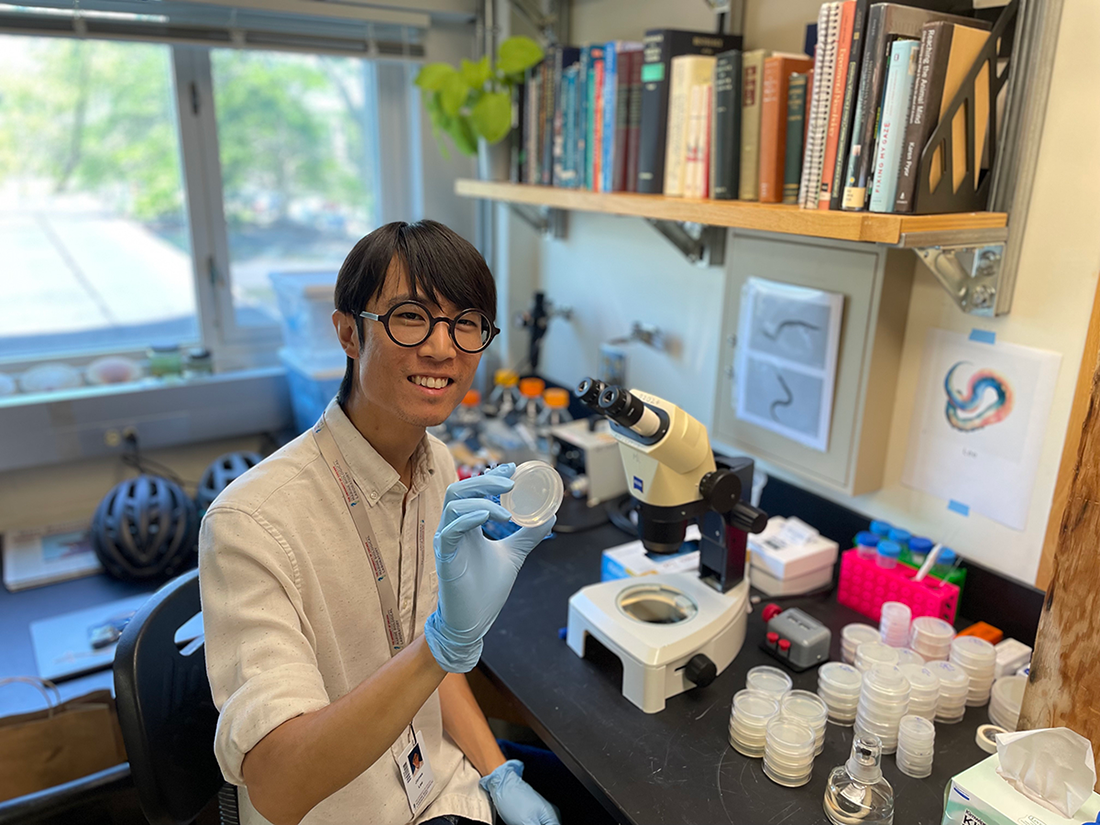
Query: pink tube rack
point(864, 586)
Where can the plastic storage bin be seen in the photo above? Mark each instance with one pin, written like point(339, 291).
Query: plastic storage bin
point(311, 388)
point(306, 302)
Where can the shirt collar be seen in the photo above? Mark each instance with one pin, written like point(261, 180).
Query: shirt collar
point(373, 474)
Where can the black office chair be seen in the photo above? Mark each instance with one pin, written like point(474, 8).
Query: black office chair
point(166, 712)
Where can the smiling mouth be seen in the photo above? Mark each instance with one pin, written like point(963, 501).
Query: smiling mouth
point(430, 382)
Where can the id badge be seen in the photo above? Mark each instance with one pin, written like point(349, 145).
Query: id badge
point(416, 773)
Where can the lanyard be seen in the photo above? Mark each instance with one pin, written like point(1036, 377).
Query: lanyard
point(330, 451)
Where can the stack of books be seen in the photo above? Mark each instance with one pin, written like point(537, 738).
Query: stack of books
point(689, 114)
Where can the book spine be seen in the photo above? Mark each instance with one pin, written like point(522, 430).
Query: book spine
point(752, 77)
point(924, 108)
point(531, 128)
point(608, 117)
point(796, 115)
point(679, 100)
point(836, 103)
point(851, 90)
point(895, 108)
point(593, 154)
point(705, 131)
point(551, 107)
point(773, 120)
point(691, 142)
point(624, 65)
point(585, 67)
point(655, 87)
point(812, 154)
point(723, 162)
point(634, 123)
point(516, 140)
point(866, 119)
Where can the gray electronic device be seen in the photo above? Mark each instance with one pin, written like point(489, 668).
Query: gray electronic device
point(796, 638)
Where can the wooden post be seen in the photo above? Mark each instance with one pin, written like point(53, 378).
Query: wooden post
point(1064, 687)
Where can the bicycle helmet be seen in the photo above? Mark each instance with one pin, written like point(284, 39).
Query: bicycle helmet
point(220, 473)
point(145, 528)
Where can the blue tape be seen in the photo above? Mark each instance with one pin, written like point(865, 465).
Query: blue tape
point(983, 336)
point(958, 507)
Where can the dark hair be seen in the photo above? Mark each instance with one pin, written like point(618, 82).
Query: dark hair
point(438, 262)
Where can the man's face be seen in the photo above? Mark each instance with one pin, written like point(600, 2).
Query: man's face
point(395, 378)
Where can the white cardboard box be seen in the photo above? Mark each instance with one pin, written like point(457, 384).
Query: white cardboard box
point(776, 552)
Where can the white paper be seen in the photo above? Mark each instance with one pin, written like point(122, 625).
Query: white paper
point(51, 554)
point(980, 446)
point(788, 340)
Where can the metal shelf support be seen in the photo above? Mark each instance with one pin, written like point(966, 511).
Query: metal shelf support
point(702, 245)
point(970, 269)
point(545, 219)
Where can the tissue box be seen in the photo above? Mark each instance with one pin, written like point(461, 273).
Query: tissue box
point(979, 796)
point(631, 560)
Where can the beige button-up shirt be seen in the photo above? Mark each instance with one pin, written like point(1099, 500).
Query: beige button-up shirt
point(292, 618)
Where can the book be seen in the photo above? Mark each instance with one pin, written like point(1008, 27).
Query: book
point(688, 71)
point(517, 145)
point(752, 89)
point(847, 111)
point(725, 157)
point(697, 146)
point(947, 53)
point(531, 126)
point(659, 47)
point(886, 22)
point(773, 123)
point(593, 153)
point(824, 64)
point(895, 111)
point(836, 102)
point(633, 123)
point(45, 555)
point(565, 137)
point(580, 116)
point(616, 105)
point(796, 116)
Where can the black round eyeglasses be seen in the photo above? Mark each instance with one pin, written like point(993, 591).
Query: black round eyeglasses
point(410, 324)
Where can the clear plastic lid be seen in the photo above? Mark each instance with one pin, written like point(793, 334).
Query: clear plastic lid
point(806, 706)
point(770, 680)
point(952, 678)
point(916, 730)
point(909, 657)
point(753, 706)
point(855, 634)
point(536, 495)
point(870, 654)
point(972, 650)
point(840, 678)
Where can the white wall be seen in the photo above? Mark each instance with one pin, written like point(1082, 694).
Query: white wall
point(617, 270)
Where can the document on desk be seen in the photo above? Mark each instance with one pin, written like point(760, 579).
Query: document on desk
point(788, 341)
point(979, 418)
point(84, 641)
point(48, 554)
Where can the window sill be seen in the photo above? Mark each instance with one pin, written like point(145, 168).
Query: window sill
point(87, 422)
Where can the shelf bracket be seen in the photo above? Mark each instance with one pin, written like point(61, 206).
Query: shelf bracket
point(701, 244)
point(969, 269)
point(545, 219)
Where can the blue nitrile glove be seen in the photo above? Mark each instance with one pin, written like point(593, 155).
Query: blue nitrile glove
point(475, 574)
point(516, 802)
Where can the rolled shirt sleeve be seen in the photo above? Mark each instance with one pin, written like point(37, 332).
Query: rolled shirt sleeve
point(260, 654)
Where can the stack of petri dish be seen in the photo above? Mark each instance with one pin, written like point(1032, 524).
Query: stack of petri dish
point(979, 659)
point(883, 700)
point(909, 657)
point(916, 743)
point(852, 636)
point(789, 752)
point(809, 708)
point(1005, 701)
point(893, 623)
point(924, 690)
point(838, 685)
point(954, 688)
point(770, 681)
point(870, 654)
point(749, 721)
point(931, 638)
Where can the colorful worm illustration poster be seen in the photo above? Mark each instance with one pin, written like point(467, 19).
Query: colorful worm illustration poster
point(979, 416)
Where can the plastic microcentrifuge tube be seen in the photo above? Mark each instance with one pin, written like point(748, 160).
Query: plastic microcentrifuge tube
point(536, 494)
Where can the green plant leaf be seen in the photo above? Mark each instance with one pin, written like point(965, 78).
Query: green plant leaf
point(463, 135)
point(432, 76)
point(475, 74)
point(517, 54)
point(452, 94)
point(492, 116)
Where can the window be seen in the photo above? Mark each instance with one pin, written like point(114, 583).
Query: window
point(96, 252)
point(296, 142)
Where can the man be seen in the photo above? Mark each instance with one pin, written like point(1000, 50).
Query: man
point(336, 642)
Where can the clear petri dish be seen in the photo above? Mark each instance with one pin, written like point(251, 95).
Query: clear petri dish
point(909, 657)
point(536, 494)
point(870, 654)
point(768, 680)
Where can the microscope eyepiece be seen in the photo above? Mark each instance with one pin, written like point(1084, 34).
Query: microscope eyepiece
point(588, 391)
point(627, 411)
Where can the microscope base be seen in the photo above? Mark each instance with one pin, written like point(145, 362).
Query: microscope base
point(655, 654)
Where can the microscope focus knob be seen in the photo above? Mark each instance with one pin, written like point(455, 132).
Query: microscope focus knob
point(700, 670)
point(748, 518)
point(721, 490)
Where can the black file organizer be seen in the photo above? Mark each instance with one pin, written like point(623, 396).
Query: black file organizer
point(968, 198)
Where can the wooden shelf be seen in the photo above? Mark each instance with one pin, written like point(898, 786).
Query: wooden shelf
point(845, 226)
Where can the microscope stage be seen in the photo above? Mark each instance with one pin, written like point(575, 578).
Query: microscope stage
point(655, 625)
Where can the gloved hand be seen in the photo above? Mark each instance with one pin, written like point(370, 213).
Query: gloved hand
point(475, 573)
point(516, 802)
